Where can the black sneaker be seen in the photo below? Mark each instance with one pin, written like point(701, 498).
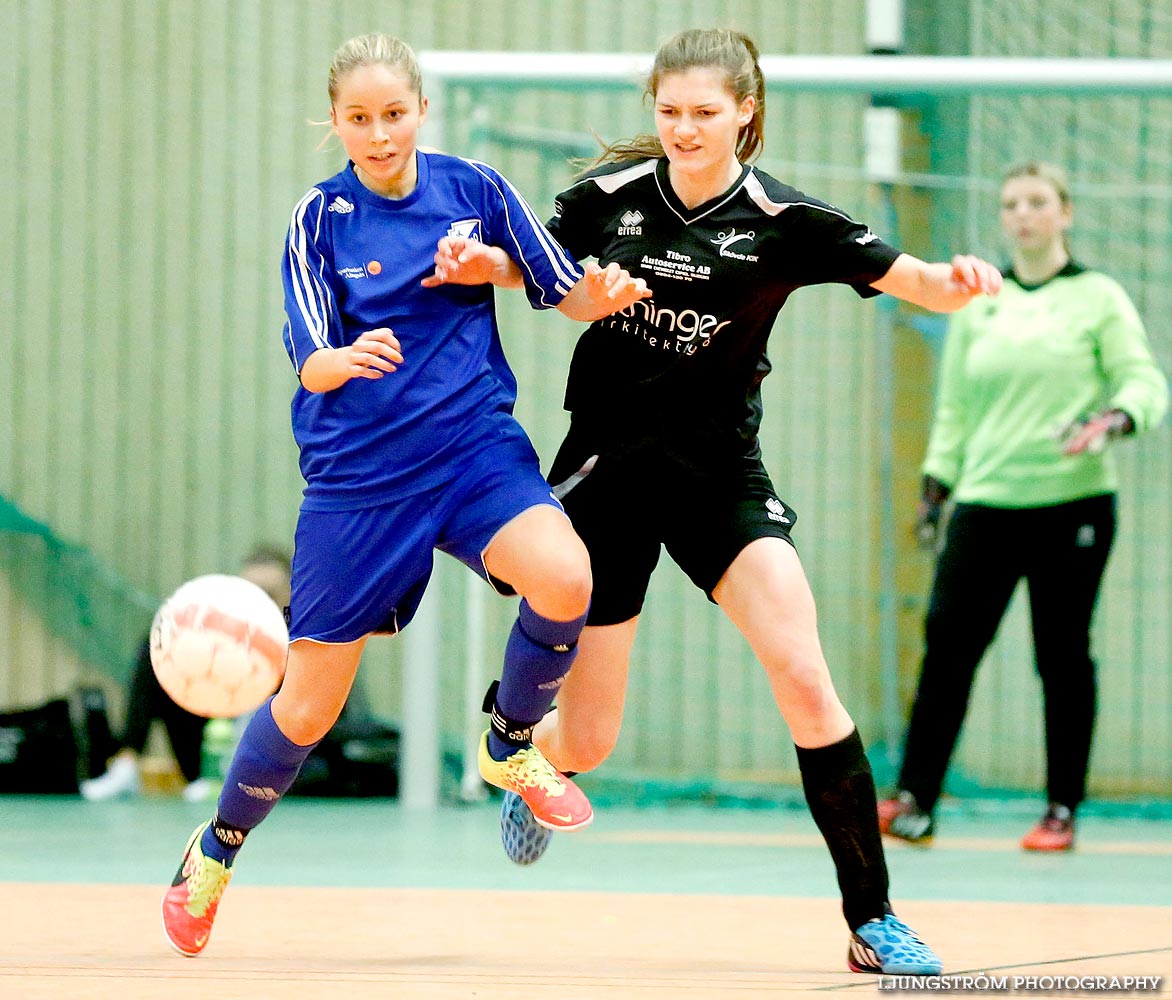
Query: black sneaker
point(902, 818)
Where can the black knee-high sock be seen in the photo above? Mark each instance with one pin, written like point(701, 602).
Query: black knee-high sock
point(841, 794)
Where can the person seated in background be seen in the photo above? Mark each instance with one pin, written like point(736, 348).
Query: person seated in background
point(269, 568)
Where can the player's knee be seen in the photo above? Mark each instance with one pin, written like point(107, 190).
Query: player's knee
point(819, 701)
point(575, 591)
point(563, 593)
point(589, 747)
point(806, 684)
point(304, 723)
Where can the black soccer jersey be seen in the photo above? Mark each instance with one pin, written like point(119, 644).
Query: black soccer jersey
point(679, 375)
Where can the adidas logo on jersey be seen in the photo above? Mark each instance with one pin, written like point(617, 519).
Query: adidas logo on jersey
point(341, 206)
point(630, 223)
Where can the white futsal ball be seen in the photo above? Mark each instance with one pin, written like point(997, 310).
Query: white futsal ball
point(218, 646)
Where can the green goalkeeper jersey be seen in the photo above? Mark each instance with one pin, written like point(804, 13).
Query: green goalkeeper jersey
point(1018, 369)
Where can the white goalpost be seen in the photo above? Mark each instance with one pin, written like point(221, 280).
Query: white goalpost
point(864, 73)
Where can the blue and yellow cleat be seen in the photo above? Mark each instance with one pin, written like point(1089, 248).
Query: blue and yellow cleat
point(889, 947)
point(524, 839)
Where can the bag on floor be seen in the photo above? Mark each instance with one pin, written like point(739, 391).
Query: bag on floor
point(38, 750)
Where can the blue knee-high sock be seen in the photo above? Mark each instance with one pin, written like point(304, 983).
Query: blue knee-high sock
point(538, 657)
point(262, 770)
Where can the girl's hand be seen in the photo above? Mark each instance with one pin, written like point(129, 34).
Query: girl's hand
point(612, 287)
point(461, 261)
point(975, 276)
point(940, 286)
point(1091, 435)
point(602, 291)
point(372, 355)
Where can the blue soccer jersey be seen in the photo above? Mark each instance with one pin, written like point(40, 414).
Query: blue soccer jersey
point(353, 262)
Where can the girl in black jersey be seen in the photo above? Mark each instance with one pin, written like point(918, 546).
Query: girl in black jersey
point(665, 406)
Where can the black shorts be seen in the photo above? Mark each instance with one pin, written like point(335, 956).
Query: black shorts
point(624, 509)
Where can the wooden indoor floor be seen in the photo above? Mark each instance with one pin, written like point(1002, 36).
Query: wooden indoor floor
point(363, 900)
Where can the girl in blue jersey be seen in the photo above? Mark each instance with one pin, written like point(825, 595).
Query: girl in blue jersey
point(408, 444)
point(665, 405)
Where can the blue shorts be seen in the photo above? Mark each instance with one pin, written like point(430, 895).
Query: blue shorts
point(361, 571)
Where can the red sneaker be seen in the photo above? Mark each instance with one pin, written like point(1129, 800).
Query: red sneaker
point(901, 817)
point(888, 810)
point(555, 801)
point(1054, 832)
point(189, 906)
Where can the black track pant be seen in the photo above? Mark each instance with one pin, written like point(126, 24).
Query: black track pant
point(1061, 551)
point(147, 701)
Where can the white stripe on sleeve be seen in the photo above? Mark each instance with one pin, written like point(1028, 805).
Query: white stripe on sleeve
point(310, 289)
point(564, 267)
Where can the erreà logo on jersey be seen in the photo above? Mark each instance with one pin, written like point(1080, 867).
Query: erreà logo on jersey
point(468, 228)
point(775, 510)
point(726, 240)
point(629, 223)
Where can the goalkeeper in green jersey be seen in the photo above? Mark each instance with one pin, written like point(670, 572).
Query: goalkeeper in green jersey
point(1034, 386)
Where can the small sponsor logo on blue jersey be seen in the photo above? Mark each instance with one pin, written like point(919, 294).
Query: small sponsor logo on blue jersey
point(341, 206)
point(468, 228)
